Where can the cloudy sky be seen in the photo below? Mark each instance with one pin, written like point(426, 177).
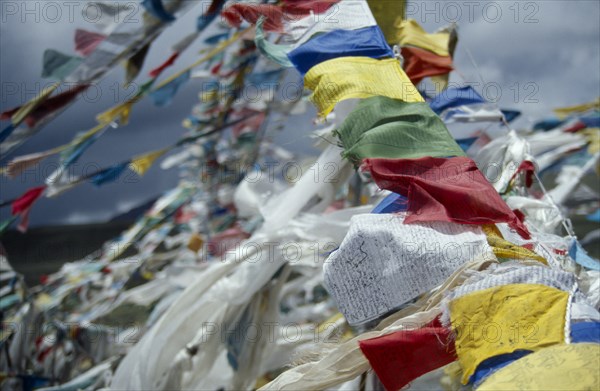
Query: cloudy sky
point(531, 55)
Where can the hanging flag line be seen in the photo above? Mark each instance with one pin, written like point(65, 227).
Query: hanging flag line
point(182, 142)
point(138, 164)
point(123, 110)
point(194, 138)
point(79, 75)
point(146, 88)
point(220, 48)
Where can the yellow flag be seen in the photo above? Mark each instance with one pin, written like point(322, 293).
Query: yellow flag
point(43, 300)
point(121, 112)
point(409, 33)
point(244, 34)
point(210, 96)
point(506, 318)
point(502, 248)
point(195, 242)
point(593, 137)
point(561, 367)
point(28, 107)
point(388, 14)
point(564, 112)
point(440, 82)
point(451, 378)
point(84, 136)
point(358, 77)
point(142, 163)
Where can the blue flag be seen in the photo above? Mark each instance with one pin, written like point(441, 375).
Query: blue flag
point(75, 153)
point(364, 42)
point(595, 217)
point(213, 11)
point(109, 174)
point(591, 121)
point(157, 9)
point(391, 204)
point(7, 132)
point(453, 97)
point(580, 256)
point(510, 115)
point(547, 124)
point(215, 39)
point(164, 95)
point(588, 332)
point(465, 143)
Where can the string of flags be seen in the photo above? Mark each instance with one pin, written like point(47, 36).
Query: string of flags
point(401, 258)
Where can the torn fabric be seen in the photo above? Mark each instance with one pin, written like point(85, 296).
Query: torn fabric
point(438, 189)
point(419, 64)
point(409, 33)
point(383, 263)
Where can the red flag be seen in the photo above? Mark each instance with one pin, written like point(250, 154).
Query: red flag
point(224, 241)
point(184, 215)
point(87, 41)
point(575, 127)
point(420, 63)
point(158, 70)
point(528, 169)
point(236, 13)
point(22, 206)
point(403, 356)
point(440, 189)
point(23, 203)
point(304, 7)
point(215, 70)
point(214, 7)
point(24, 223)
point(252, 124)
point(5, 115)
point(48, 106)
point(274, 15)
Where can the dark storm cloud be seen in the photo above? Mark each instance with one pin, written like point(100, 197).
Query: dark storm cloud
point(542, 54)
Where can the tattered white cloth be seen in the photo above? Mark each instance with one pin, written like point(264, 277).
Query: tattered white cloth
point(383, 263)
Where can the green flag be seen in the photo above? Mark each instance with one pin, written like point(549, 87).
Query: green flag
point(58, 65)
point(382, 127)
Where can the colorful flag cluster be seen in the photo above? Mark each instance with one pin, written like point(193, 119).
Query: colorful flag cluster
point(426, 55)
point(407, 149)
point(39, 109)
point(418, 254)
point(116, 42)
